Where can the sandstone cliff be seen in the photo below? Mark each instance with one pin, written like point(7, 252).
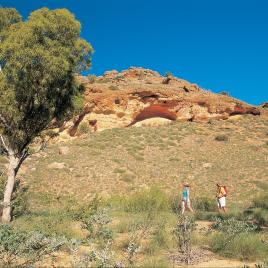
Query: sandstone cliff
point(121, 99)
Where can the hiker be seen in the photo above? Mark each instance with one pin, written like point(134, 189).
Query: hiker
point(221, 197)
point(186, 204)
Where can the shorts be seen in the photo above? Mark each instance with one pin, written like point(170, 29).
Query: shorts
point(221, 202)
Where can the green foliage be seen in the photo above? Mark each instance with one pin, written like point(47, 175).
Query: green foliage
point(237, 239)
point(167, 73)
point(260, 216)
point(83, 128)
point(205, 204)
point(233, 226)
point(183, 232)
point(245, 246)
point(39, 58)
point(8, 16)
point(152, 199)
point(31, 247)
point(221, 138)
point(94, 218)
point(225, 93)
point(261, 201)
point(113, 87)
point(78, 104)
point(92, 78)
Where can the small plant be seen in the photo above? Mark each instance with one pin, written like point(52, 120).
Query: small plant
point(167, 73)
point(113, 87)
point(92, 78)
point(94, 219)
point(261, 201)
point(205, 204)
point(83, 128)
point(30, 247)
point(150, 200)
point(183, 233)
point(225, 93)
point(221, 138)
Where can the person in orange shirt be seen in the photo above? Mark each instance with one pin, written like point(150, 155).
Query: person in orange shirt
point(221, 197)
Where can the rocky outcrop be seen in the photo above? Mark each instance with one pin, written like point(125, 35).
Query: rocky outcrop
point(120, 99)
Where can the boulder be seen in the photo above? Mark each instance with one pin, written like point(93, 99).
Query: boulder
point(56, 165)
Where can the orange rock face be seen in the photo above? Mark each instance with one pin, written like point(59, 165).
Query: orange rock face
point(120, 99)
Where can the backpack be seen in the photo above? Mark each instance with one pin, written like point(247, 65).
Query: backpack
point(226, 190)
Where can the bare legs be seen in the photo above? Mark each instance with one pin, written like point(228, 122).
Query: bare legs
point(186, 205)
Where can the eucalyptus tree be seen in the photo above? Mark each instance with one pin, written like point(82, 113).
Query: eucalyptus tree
point(39, 58)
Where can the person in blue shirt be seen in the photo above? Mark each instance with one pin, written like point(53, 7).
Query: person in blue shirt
point(186, 203)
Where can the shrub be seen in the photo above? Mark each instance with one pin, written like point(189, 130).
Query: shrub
point(225, 93)
point(233, 226)
point(29, 247)
point(153, 199)
point(94, 219)
point(235, 238)
point(244, 246)
point(167, 73)
point(206, 204)
point(83, 128)
point(221, 138)
point(258, 215)
point(261, 201)
point(175, 202)
point(113, 87)
point(92, 78)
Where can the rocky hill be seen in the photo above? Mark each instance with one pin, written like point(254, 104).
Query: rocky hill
point(121, 99)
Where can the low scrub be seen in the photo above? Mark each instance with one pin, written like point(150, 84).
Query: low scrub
point(261, 201)
point(205, 204)
point(246, 247)
point(153, 199)
point(237, 239)
point(16, 245)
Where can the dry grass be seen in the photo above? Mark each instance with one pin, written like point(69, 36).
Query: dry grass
point(120, 161)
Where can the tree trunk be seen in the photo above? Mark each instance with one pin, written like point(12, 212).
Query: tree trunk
point(11, 176)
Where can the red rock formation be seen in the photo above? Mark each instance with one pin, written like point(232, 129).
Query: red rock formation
point(142, 94)
point(154, 111)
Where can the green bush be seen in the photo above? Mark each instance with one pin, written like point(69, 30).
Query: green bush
point(113, 87)
point(258, 215)
point(175, 202)
point(224, 93)
point(261, 201)
point(153, 199)
point(83, 128)
point(93, 217)
point(29, 247)
point(205, 204)
point(221, 138)
point(245, 246)
point(92, 78)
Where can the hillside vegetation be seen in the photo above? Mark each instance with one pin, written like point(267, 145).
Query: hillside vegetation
point(135, 175)
point(119, 161)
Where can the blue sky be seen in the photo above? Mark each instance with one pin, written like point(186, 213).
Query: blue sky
point(222, 45)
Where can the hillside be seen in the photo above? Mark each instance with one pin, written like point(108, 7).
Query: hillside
point(120, 99)
point(111, 178)
point(120, 161)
